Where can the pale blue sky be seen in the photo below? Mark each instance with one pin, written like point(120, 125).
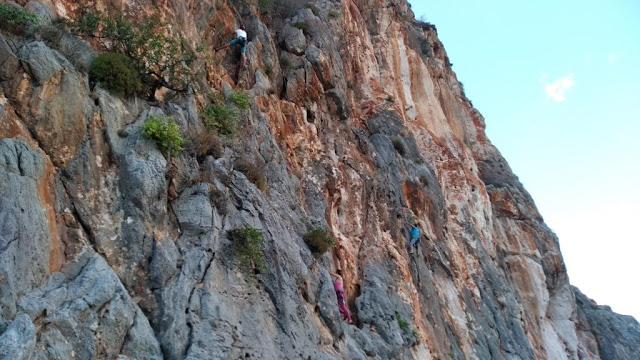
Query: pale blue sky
point(558, 83)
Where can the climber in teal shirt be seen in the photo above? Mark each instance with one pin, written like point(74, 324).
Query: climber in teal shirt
point(415, 237)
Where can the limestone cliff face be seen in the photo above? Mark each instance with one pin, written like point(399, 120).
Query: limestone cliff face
point(358, 122)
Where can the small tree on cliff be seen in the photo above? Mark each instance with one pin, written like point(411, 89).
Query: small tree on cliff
point(162, 58)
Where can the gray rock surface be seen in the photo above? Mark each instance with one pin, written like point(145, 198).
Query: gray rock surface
point(24, 229)
point(42, 11)
point(41, 61)
point(53, 345)
point(380, 308)
point(9, 63)
point(57, 108)
point(18, 340)
point(193, 209)
point(617, 335)
point(86, 307)
point(77, 50)
point(293, 40)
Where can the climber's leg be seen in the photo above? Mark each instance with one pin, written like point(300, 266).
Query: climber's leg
point(243, 54)
point(413, 243)
point(342, 307)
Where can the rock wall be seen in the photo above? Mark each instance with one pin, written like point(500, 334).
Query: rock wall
point(360, 127)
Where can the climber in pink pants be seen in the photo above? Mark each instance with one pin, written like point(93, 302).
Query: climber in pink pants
point(338, 285)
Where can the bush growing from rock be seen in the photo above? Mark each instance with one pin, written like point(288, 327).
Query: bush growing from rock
point(264, 5)
point(333, 14)
point(51, 34)
point(116, 73)
point(204, 143)
point(301, 25)
point(424, 24)
point(280, 9)
point(218, 199)
point(318, 241)
point(165, 132)
point(221, 118)
point(242, 100)
point(253, 173)
point(246, 244)
point(14, 15)
point(162, 59)
point(314, 9)
point(403, 324)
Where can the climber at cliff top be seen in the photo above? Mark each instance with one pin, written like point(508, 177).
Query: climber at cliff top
point(241, 39)
point(338, 285)
point(415, 238)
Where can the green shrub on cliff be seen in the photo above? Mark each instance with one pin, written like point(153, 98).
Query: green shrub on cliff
point(314, 9)
point(253, 172)
point(401, 323)
point(246, 244)
point(424, 24)
point(116, 73)
point(264, 5)
point(333, 14)
point(301, 25)
point(164, 131)
point(280, 9)
point(221, 118)
point(161, 58)
point(203, 143)
point(15, 16)
point(241, 99)
point(318, 241)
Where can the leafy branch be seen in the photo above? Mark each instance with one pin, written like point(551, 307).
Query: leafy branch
point(162, 58)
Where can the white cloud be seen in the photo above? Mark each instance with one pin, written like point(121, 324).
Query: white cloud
point(556, 90)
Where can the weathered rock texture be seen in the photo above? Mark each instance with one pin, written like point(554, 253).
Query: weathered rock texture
point(359, 125)
point(616, 335)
